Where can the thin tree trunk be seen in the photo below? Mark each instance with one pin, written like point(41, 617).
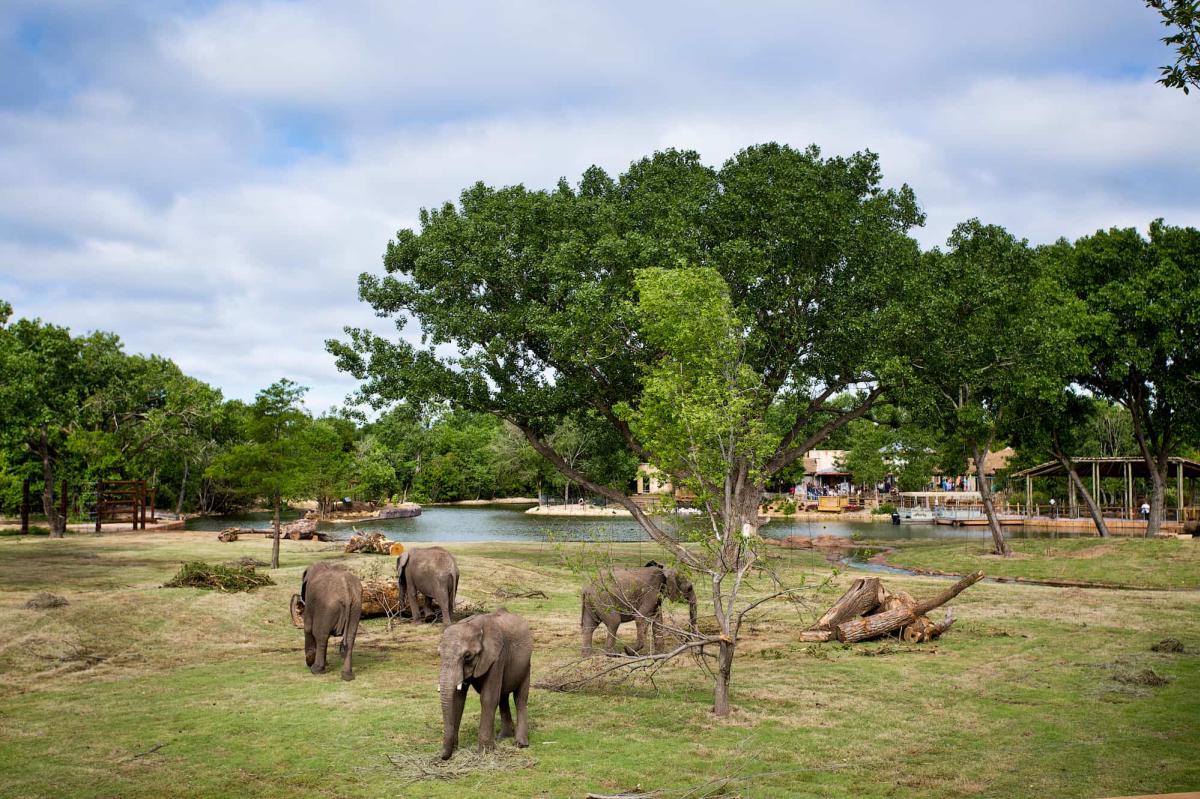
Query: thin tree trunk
point(724, 673)
point(182, 488)
point(275, 542)
point(1156, 465)
point(57, 526)
point(1093, 508)
point(989, 507)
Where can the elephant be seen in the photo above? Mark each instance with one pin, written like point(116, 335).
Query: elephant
point(330, 601)
point(633, 595)
point(432, 573)
point(490, 653)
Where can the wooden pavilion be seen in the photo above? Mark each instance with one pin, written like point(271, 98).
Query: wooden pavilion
point(1184, 472)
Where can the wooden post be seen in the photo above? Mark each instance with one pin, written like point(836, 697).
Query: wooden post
point(1129, 491)
point(1179, 491)
point(141, 501)
point(1096, 485)
point(99, 504)
point(1071, 495)
point(152, 519)
point(25, 506)
point(1028, 495)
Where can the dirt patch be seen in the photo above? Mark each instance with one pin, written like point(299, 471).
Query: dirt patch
point(1088, 553)
point(45, 601)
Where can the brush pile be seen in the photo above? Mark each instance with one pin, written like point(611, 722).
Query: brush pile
point(868, 610)
point(216, 577)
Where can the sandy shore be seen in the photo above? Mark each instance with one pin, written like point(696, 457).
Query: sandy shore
point(579, 510)
point(469, 502)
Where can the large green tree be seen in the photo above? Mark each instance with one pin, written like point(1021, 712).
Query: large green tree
point(524, 302)
point(1143, 340)
point(996, 332)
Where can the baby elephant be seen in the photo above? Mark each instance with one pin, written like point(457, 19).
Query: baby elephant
point(432, 573)
point(331, 603)
point(491, 653)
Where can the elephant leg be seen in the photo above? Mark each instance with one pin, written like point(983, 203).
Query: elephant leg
point(489, 698)
point(348, 643)
point(640, 624)
point(322, 645)
point(506, 719)
point(587, 626)
point(446, 608)
point(310, 647)
point(521, 700)
point(610, 644)
point(413, 606)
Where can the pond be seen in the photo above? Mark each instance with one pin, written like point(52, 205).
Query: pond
point(511, 523)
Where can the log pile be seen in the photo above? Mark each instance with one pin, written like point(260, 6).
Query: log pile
point(868, 610)
point(374, 543)
point(299, 530)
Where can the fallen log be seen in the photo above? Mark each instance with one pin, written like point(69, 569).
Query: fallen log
point(863, 596)
point(868, 610)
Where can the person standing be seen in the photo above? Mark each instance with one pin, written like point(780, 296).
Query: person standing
point(1145, 511)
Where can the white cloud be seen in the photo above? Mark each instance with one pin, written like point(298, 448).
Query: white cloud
point(152, 202)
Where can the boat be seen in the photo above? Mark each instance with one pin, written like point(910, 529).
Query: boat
point(939, 507)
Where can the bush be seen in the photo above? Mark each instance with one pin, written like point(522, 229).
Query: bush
point(216, 577)
point(787, 508)
point(884, 509)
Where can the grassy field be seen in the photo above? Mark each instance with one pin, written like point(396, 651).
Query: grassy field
point(133, 690)
point(1168, 563)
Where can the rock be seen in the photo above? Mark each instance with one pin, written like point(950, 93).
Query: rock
point(406, 510)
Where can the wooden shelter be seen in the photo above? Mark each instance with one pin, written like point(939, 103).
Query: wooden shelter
point(124, 501)
point(1184, 472)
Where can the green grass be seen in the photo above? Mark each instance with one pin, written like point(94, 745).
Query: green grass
point(1020, 698)
point(1170, 563)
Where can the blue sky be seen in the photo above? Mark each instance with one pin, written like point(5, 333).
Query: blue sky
point(207, 179)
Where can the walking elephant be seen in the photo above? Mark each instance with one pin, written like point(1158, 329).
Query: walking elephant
point(431, 573)
point(330, 602)
point(489, 653)
point(633, 595)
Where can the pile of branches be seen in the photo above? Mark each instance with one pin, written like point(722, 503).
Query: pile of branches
point(215, 577)
point(374, 543)
point(868, 610)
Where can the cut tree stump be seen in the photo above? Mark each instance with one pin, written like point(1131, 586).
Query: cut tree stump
point(868, 610)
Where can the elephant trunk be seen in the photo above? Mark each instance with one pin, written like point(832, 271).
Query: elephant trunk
point(453, 699)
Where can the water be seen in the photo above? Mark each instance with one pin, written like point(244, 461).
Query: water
point(509, 523)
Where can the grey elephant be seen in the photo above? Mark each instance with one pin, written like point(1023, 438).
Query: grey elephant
point(633, 595)
point(330, 602)
point(489, 653)
point(431, 573)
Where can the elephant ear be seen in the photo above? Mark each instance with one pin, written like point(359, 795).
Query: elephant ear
point(304, 585)
point(490, 650)
point(401, 564)
point(671, 585)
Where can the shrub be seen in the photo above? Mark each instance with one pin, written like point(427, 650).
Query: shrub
point(884, 509)
point(787, 508)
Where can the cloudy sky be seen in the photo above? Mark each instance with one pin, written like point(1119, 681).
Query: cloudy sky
point(208, 179)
